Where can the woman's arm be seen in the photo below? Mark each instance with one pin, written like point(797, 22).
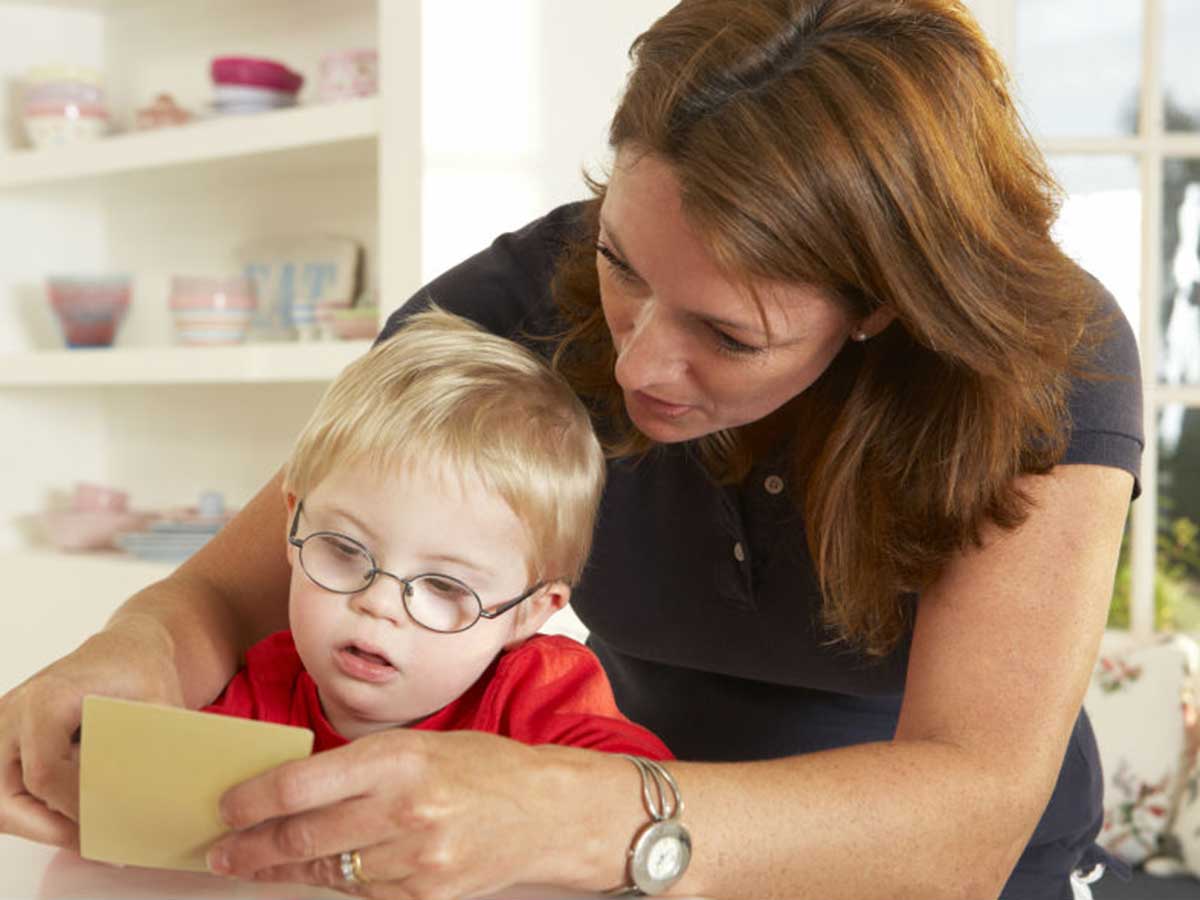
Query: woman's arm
point(1002, 651)
point(224, 598)
point(177, 641)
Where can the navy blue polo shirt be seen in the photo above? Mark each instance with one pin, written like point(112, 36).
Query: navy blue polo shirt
point(702, 601)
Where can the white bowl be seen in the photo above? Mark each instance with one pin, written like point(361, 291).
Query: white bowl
point(247, 95)
point(64, 131)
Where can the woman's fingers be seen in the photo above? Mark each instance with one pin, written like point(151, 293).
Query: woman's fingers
point(49, 758)
point(381, 876)
point(26, 816)
point(306, 837)
point(39, 721)
point(297, 787)
point(424, 811)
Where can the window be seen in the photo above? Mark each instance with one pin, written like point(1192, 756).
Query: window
point(1111, 89)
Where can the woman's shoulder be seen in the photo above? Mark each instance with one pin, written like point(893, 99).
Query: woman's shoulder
point(1105, 401)
point(506, 286)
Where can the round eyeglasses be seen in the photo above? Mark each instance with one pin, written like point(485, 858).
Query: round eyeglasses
point(442, 603)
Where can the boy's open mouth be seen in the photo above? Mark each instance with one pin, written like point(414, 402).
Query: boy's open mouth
point(368, 655)
point(365, 663)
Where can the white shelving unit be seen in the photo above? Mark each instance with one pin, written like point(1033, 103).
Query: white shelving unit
point(244, 365)
point(161, 421)
point(231, 141)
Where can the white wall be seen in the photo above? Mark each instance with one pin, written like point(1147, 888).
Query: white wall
point(513, 107)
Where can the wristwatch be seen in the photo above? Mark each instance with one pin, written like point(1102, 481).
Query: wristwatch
point(662, 848)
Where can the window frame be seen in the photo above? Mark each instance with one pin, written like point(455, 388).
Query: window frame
point(1151, 146)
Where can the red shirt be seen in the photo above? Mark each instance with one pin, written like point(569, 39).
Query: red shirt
point(548, 690)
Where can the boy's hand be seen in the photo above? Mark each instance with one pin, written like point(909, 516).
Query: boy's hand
point(39, 726)
point(453, 814)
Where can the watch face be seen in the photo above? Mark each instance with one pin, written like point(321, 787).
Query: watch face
point(665, 857)
point(661, 853)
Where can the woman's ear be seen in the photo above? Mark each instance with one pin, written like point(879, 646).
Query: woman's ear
point(537, 609)
point(880, 319)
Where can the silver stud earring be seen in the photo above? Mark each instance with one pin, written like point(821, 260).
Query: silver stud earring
point(859, 336)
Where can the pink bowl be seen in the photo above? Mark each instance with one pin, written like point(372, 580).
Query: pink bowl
point(255, 72)
point(212, 293)
point(90, 529)
point(89, 309)
point(90, 497)
point(64, 92)
point(353, 328)
point(66, 110)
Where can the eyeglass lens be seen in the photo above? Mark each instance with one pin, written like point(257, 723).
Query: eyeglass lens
point(435, 601)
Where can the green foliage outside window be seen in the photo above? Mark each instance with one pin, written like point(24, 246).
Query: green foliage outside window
point(1176, 579)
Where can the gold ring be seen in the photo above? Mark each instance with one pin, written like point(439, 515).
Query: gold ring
point(351, 865)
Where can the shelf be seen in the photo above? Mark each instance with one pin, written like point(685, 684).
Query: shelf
point(98, 6)
point(308, 128)
point(242, 364)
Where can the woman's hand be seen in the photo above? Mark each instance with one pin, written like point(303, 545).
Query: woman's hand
point(39, 724)
point(453, 814)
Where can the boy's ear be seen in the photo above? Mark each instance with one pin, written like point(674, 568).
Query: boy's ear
point(291, 501)
point(537, 609)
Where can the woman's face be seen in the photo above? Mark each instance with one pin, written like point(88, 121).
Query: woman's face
point(692, 354)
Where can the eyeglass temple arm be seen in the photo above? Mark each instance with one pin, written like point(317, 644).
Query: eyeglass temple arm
point(509, 604)
point(295, 526)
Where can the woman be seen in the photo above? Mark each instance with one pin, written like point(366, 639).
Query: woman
point(874, 438)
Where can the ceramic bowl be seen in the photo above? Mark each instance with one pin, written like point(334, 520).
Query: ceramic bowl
point(348, 74)
point(63, 74)
point(211, 310)
point(90, 497)
point(325, 311)
point(355, 324)
point(89, 310)
point(51, 92)
point(64, 128)
point(246, 95)
point(200, 292)
point(90, 529)
point(255, 72)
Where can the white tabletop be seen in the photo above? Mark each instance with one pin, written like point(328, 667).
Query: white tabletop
point(31, 871)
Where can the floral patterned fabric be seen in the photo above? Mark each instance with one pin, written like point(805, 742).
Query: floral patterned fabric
point(1142, 707)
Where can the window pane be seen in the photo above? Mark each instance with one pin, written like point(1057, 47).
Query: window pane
point(1100, 222)
point(1177, 570)
point(1180, 310)
point(1078, 66)
point(1181, 65)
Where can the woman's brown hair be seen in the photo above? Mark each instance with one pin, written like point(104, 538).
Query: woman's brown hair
point(870, 148)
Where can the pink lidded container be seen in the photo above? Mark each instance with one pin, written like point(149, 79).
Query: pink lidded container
point(254, 72)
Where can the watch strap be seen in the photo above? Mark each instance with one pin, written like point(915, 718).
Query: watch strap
point(664, 804)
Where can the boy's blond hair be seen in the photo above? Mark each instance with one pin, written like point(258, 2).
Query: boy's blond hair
point(444, 390)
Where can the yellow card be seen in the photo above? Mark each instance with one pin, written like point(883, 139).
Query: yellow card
point(151, 776)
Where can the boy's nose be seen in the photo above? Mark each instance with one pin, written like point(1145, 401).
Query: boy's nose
point(383, 599)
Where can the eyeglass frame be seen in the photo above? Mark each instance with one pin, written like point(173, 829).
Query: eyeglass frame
point(484, 613)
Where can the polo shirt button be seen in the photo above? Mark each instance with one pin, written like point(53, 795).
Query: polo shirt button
point(773, 484)
point(739, 552)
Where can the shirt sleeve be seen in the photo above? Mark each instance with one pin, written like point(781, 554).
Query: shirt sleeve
point(552, 690)
point(1106, 412)
point(505, 288)
point(263, 688)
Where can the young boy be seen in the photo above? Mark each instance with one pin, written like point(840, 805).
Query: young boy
point(442, 499)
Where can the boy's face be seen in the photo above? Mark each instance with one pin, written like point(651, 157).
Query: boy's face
point(374, 666)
